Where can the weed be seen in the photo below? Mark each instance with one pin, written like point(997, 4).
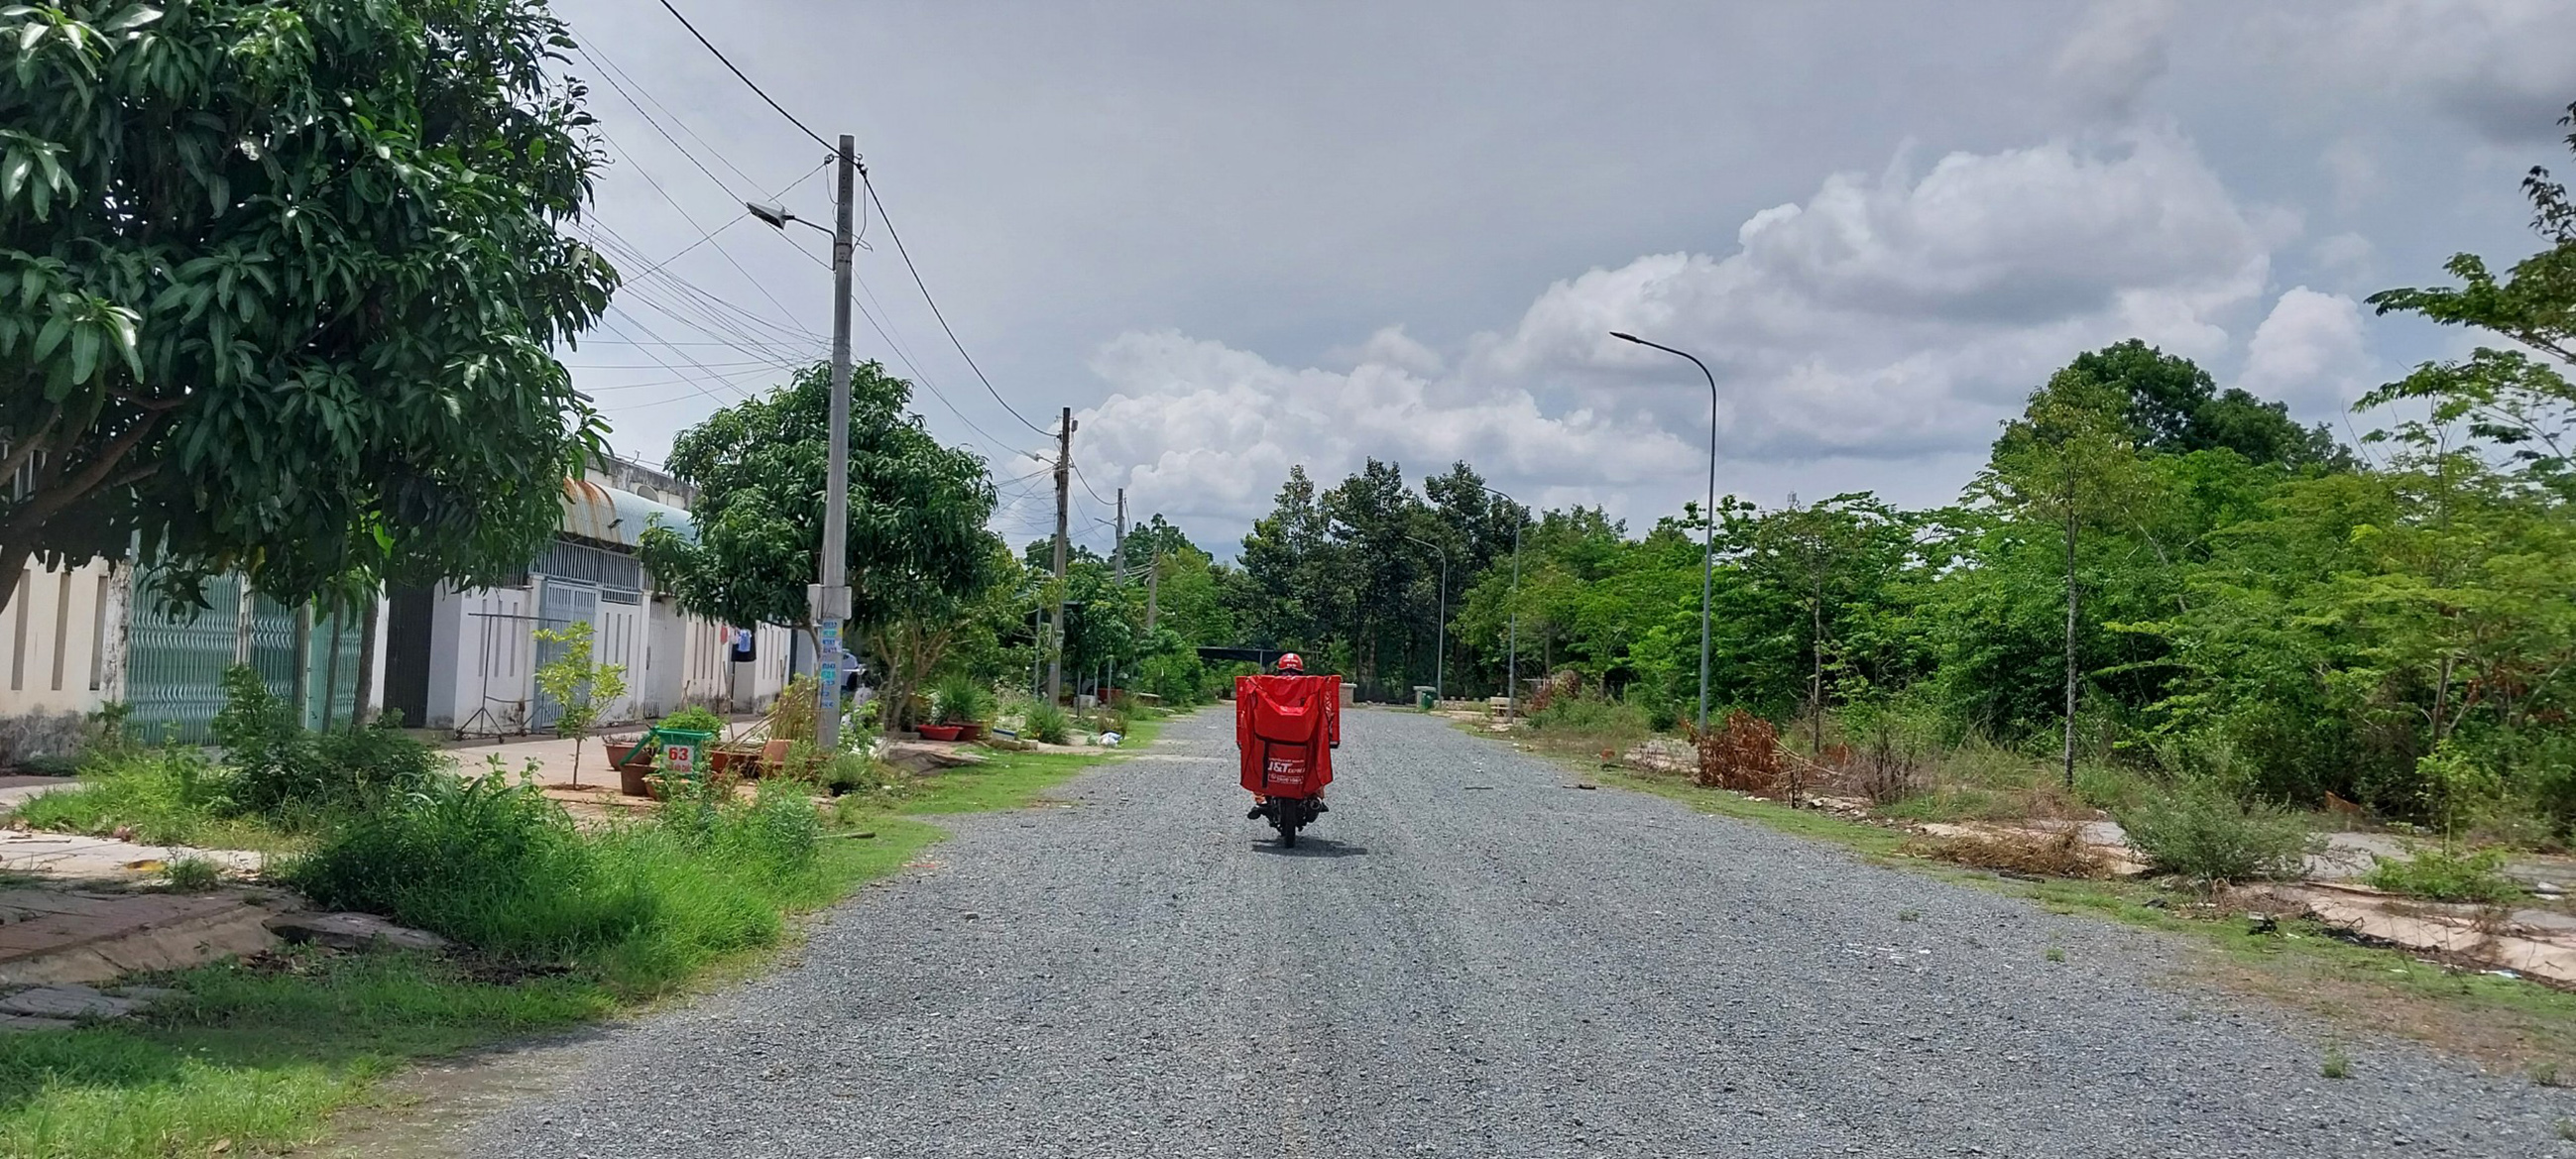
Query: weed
point(2199, 830)
point(192, 874)
point(2056, 954)
point(2442, 876)
point(284, 772)
point(1907, 915)
point(2337, 1064)
point(2545, 1074)
point(2567, 1129)
point(493, 865)
point(1047, 723)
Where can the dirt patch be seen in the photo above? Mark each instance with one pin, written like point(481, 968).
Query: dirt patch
point(2061, 854)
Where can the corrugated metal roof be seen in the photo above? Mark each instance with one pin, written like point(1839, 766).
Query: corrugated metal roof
point(616, 517)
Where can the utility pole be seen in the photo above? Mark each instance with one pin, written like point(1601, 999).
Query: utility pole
point(1153, 579)
point(1063, 475)
point(1118, 551)
point(831, 599)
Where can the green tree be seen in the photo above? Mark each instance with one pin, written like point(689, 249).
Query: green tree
point(1290, 596)
point(2507, 397)
point(279, 284)
point(2065, 462)
point(2171, 406)
point(579, 688)
point(917, 547)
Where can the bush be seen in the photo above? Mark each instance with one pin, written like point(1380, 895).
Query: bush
point(2199, 830)
point(168, 795)
point(501, 869)
point(696, 718)
point(1743, 754)
point(493, 865)
point(1047, 723)
point(961, 699)
point(284, 772)
point(2443, 876)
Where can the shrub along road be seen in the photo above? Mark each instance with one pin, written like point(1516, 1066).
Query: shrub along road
point(1468, 956)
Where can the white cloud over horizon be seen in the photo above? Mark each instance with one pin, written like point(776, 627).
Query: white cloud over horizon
point(1235, 236)
point(1890, 320)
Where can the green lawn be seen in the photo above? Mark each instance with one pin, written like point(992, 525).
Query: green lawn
point(253, 1060)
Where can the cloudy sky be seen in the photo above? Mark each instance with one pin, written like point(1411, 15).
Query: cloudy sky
point(1236, 237)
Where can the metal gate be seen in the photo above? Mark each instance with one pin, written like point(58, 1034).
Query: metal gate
point(561, 602)
point(174, 664)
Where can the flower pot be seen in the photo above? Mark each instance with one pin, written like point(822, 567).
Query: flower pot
point(971, 730)
point(632, 780)
point(941, 732)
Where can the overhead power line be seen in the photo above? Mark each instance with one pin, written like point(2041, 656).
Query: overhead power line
point(888, 219)
point(746, 80)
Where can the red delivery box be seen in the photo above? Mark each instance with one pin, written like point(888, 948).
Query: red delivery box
point(1285, 728)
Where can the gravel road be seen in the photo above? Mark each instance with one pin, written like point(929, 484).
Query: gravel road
point(1469, 957)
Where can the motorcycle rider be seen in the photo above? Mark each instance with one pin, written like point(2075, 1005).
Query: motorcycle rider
point(1290, 664)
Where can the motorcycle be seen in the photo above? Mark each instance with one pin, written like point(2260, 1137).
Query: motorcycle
point(1285, 730)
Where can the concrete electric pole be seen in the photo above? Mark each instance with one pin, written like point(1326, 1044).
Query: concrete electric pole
point(1063, 474)
point(831, 598)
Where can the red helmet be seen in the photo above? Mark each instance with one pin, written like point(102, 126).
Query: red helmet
point(1290, 663)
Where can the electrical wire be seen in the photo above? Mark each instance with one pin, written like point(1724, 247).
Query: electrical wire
point(746, 80)
point(1086, 484)
point(888, 220)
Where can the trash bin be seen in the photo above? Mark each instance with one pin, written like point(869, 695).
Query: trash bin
point(1425, 697)
point(684, 750)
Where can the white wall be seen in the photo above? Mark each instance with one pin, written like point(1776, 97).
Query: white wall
point(467, 627)
point(61, 637)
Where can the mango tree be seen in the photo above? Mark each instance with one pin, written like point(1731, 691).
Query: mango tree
point(279, 283)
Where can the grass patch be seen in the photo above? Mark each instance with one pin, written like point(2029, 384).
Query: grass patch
point(256, 1057)
point(169, 795)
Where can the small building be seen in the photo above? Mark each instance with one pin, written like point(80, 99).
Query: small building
point(459, 660)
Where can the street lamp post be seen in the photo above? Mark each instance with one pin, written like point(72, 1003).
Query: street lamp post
point(1708, 539)
point(1512, 646)
point(829, 600)
point(1440, 638)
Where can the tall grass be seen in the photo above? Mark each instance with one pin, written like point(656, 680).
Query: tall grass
point(502, 869)
point(1594, 716)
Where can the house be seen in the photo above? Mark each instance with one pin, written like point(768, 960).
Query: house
point(459, 660)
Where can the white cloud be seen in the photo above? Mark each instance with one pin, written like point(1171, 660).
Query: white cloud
point(2112, 58)
point(2310, 352)
point(2346, 255)
point(2502, 66)
point(1885, 320)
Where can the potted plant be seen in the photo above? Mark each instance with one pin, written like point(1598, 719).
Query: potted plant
point(964, 704)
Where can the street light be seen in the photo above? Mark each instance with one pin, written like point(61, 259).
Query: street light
point(1512, 649)
point(828, 602)
point(1440, 640)
point(1708, 540)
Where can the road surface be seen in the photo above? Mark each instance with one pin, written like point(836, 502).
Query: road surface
point(1469, 957)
